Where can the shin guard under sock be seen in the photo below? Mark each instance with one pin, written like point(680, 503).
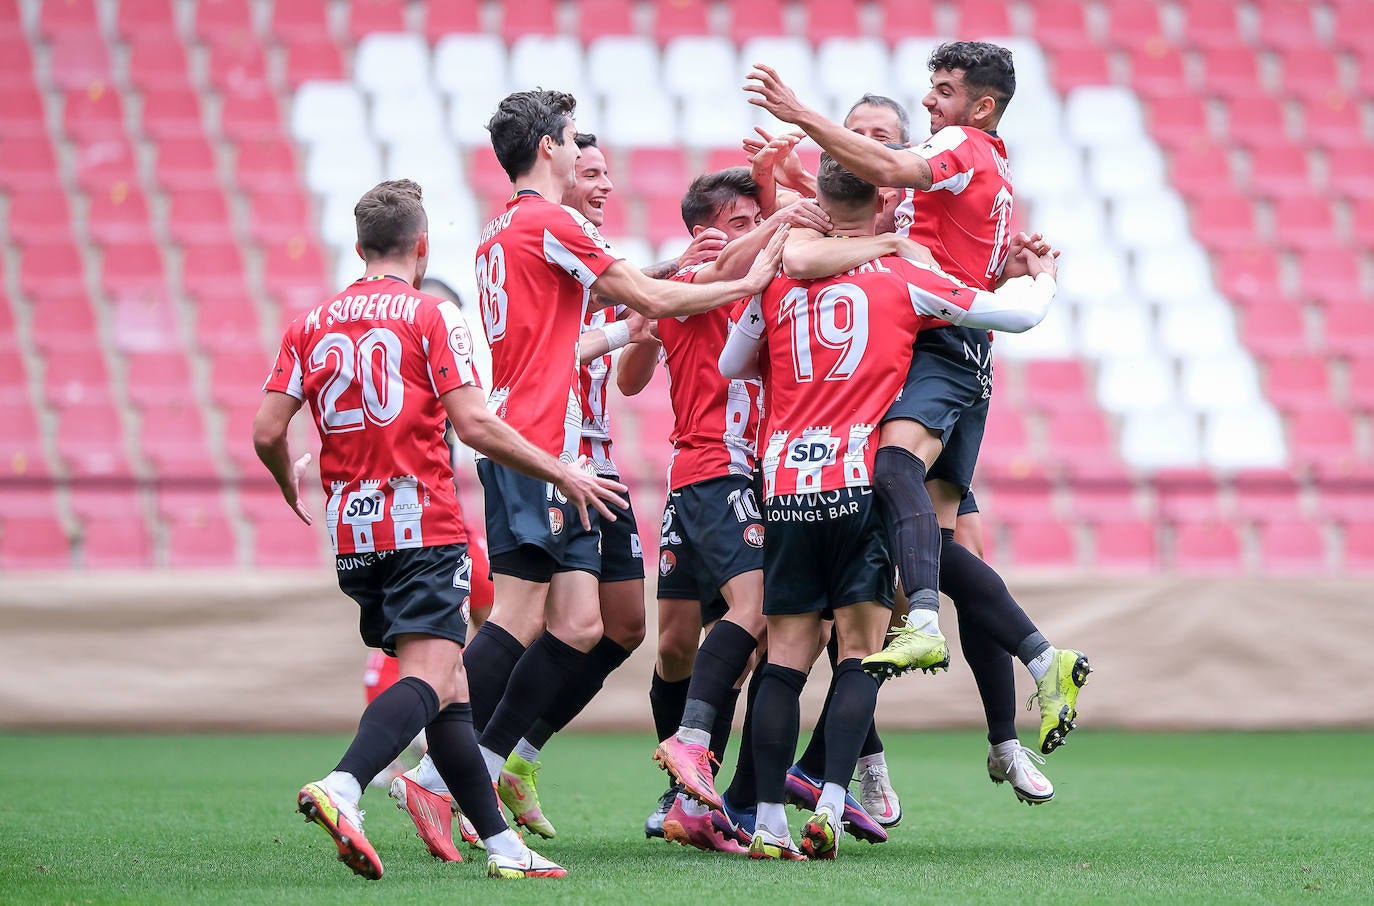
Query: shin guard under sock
point(719, 663)
point(851, 715)
point(546, 667)
point(666, 701)
point(453, 748)
point(602, 661)
point(899, 479)
point(387, 727)
point(777, 719)
point(993, 671)
point(488, 659)
point(742, 790)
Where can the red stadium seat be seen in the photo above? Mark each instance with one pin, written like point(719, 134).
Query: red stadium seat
point(59, 18)
point(1079, 67)
point(36, 501)
point(1280, 170)
point(284, 542)
point(91, 114)
point(51, 268)
point(267, 164)
point(1287, 25)
point(279, 216)
point(452, 17)
point(185, 163)
point(1059, 24)
point(1322, 438)
point(298, 261)
point(222, 20)
point(1225, 222)
point(95, 501)
point(1006, 440)
point(1207, 548)
point(157, 378)
point(39, 215)
point(663, 219)
point(90, 442)
point(238, 64)
point(139, 20)
point(1311, 74)
point(200, 545)
point(1304, 224)
point(1231, 70)
point(22, 115)
point(1255, 120)
point(231, 371)
point(205, 266)
point(1103, 492)
point(172, 113)
point(34, 543)
point(1266, 495)
point(199, 216)
point(1080, 438)
point(529, 17)
point(174, 440)
point(1055, 385)
point(680, 17)
point(1158, 71)
point(101, 165)
point(1330, 275)
point(1292, 548)
point(132, 266)
point(16, 60)
point(119, 215)
point(144, 319)
point(724, 158)
point(79, 60)
point(1250, 276)
point(755, 19)
point(831, 19)
point(368, 16)
point(22, 453)
point(1297, 381)
point(1334, 122)
point(28, 163)
point(1349, 328)
point(1025, 499)
point(250, 115)
point(157, 63)
point(63, 321)
point(1360, 381)
point(299, 19)
point(1349, 173)
point(1195, 168)
point(1359, 547)
point(1207, 24)
point(224, 314)
point(907, 18)
point(1275, 326)
point(599, 18)
point(237, 444)
point(1046, 543)
point(1348, 497)
point(313, 57)
point(1187, 495)
point(1354, 23)
point(116, 543)
point(1135, 26)
point(1129, 546)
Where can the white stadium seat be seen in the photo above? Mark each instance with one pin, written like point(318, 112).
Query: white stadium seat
point(1198, 329)
point(417, 115)
point(849, 68)
point(471, 64)
point(1047, 171)
point(327, 111)
point(552, 62)
point(696, 65)
point(349, 167)
point(1141, 384)
point(793, 60)
point(629, 121)
point(387, 63)
point(621, 65)
point(1131, 167)
point(435, 165)
point(1115, 330)
point(1097, 112)
point(1220, 382)
point(1149, 220)
point(715, 121)
point(1052, 338)
point(1162, 272)
point(468, 115)
point(1247, 438)
point(910, 74)
point(1091, 279)
point(1163, 439)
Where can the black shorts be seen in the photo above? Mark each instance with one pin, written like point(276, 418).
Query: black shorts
point(947, 389)
point(526, 512)
point(712, 532)
point(968, 505)
point(825, 551)
point(420, 590)
point(622, 555)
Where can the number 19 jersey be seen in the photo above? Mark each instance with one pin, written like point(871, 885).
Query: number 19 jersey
point(372, 363)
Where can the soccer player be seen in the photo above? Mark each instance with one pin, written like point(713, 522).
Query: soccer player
point(963, 179)
point(837, 351)
point(535, 263)
point(381, 364)
point(711, 546)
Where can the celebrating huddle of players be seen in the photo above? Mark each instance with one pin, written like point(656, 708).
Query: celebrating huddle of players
point(827, 341)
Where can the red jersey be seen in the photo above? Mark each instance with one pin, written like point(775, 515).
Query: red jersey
point(964, 218)
point(593, 379)
point(372, 363)
point(534, 267)
point(837, 352)
point(715, 420)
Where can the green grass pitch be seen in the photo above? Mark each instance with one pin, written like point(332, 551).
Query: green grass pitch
point(1242, 818)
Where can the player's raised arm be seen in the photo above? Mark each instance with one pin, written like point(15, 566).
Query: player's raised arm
point(869, 160)
point(667, 298)
point(484, 432)
point(1015, 307)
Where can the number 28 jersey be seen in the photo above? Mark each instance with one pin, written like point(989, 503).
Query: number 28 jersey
point(836, 352)
point(372, 363)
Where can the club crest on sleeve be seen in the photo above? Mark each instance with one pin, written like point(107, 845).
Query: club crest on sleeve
point(459, 341)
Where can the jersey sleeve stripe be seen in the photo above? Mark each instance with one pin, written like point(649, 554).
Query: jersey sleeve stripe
point(559, 254)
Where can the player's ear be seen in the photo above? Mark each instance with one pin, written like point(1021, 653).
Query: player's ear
point(358, 247)
point(696, 230)
point(422, 246)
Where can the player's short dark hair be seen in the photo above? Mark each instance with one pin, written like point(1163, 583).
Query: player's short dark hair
point(835, 183)
point(390, 217)
point(710, 192)
point(881, 100)
point(987, 67)
point(585, 140)
point(521, 120)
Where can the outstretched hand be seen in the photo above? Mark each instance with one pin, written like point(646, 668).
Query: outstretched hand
point(773, 95)
point(584, 489)
point(766, 265)
point(292, 492)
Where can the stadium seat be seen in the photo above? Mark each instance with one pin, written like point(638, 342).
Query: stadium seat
point(1266, 495)
point(115, 543)
point(1127, 546)
point(700, 65)
point(1359, 547)
point(1043, 544)
point(1135, 26)
point(299, 261)
point(119, 215)
point(1297, 381)
point(366, 17)
point(1244, 437)
point(174, 440)
point(1362, 221)
point(1161, 439)
point(96, 501)
point(1231, 70)
point(1115, 331)
point(238, 64)
point(1211, 548)
point(185, 163)
point(1132, 384)
point(1187, 495)
point(1210, 25)
point(550, 59)
point(23, 116)
point(1250, 276)
point(604, 18)
point(392, 64)
point(1334, 122)
point(90, 442)
point(1255, 120)
point(102, 164)
point(1147, 219)
point(609, 58)
point(249, 114)
point(456, 56)
point(1195, 168)
point(22, 452)
point(1080, 438)
point(657, 171)
point(157, 63)
point(39, 216)
point(349, 166)
point(680, 18)
point(1292, 548)
point(531, 17)
point(1312, 75)
point(33, 543)
point(989, 18)
point(143, 320)
point(89, 114)
point(1322, 438)
point(221, 20)
point(831, 19)
point(279, 216)
point(760, 17)
point(1081, 67)
point(62, 319)
point(157, 378)
point(28, 164)
point(1219, 382)
point(51, 268)
point(1280, 170)
point(1287, 25)
point(267, 165)
point(140, 20)
point(172, 113)
point(1176, 117)
point(282, 542)
point(452, 17)
point(131, 267)
point(327, 112)
point(1057, 385)
point(904, 19)
point(1353, 22)
point(1059, 24)
point(1275, 327)
point(207, 265)
point(313, 58)
point(1360, 381)
point(65, 17)
point(299, 18)
point(847, 68)
point(1103, 491)
point(1330, 275)
point(1225, 222)
point(78, 60)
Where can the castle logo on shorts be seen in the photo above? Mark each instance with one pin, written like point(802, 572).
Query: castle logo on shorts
point(753, 535)
point(555, 520)
point(667, 562)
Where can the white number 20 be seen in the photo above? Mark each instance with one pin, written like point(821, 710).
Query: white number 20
point(383, 391)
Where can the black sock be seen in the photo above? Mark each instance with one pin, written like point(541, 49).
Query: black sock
point(546, 667)
point(667, 700)
point(489, 658)
point(873, 743)
point(719, 663)
point(913, 530)
point(453, 747)
point(980, 594)
point(993, 671)
point(742, 791)
point(387, 727)
point(851, 713)
point(725, 719)
point(812, 759)
point(602, 661)
point(777, 719)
